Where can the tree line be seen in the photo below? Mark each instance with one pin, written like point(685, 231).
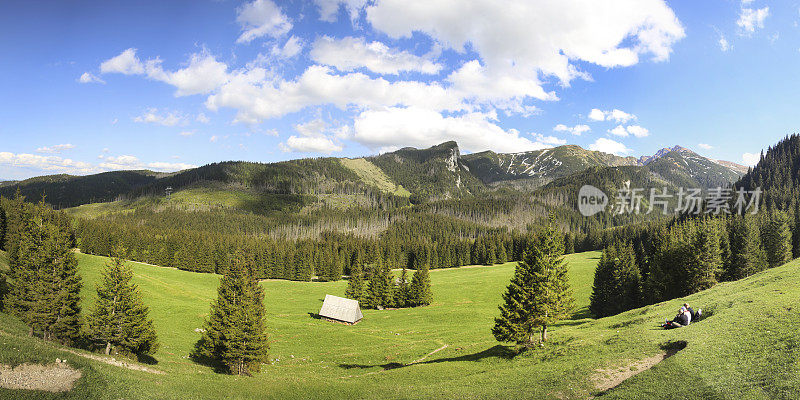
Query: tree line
point(652, 262)
point(43, 286)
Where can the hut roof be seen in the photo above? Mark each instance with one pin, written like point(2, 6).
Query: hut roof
point(340, 309)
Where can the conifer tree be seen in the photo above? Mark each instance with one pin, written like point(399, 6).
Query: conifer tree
point(402, 292)
point(748, 256)
point(56, 306)
point(355, 286)
point(539, 293)
point(777, 238)
point(419, 292)
point(617, 283)
point(235, 335)
point(706, 260)
point(119, 319)
point(603, 287)
point(381, 286)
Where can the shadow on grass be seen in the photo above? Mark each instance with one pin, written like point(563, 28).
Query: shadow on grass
point(314, 315)
point(581, 313)
point(498, 351)
point(146, 359)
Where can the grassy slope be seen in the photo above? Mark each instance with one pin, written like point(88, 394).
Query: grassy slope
point(372, 175)
point(731, 354)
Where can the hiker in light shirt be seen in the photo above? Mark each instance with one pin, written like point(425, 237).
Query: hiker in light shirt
point(683, 318)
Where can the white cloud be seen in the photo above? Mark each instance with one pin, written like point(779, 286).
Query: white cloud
point(350, 53)
point(128, 162)
point(615, 115)
point(634, 130)
point(261, 18)
point(723, 43)
point(88, 77)
point(312, 139)
point(395, 127)
point(55, 149)
point(125, 63)
point(203, 74)
point(506, 90)
point(329, 8)
point(538, 36)
point(638, 131)
point(69, 166)
point(46, 163)
point(619, 130)
point(167, 118)
point(202, 118)
point(258, 98)
point(705, 146)
point(597, 115)
point(619, 116)
point(751, 159)
point(213, 139)
point(752, 19)
point(187, 133)
point(609, 146)
point(305, 144)
point(311, 128)
point(292, 47)
point(576, 130)
point(552, 140)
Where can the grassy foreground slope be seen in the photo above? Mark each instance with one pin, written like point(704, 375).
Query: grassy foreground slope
point(748, 348)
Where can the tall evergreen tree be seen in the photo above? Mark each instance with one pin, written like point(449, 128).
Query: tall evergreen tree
point(402, 293)
point(381, 286)
point(355, 286)
point(539, 293)
point(706, 261)
point(419, 292)
point(235, 335)
point(56, 308)
point(617, 282)
point(777, 238)
point(748, 256)
point(119, 319)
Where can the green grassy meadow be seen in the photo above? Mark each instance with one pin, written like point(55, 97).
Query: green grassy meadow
point(749, 347)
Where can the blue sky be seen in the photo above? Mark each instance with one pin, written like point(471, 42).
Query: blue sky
point(97, 86)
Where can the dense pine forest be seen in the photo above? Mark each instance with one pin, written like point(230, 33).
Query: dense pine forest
point(652, 262)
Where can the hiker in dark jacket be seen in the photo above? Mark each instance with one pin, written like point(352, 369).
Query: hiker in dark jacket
point(695, 314)
point(682, 319)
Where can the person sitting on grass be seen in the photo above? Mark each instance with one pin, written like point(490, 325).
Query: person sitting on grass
point(695, 314)
point(682, 319)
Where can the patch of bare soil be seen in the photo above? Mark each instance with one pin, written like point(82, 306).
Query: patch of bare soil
point(605, 379)
point(59, 377)
point(114, 361)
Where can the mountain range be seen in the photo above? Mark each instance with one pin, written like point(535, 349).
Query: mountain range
point(438, 172)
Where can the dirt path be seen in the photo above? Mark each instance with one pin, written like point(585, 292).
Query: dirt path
point(103, 359)
point(606, 379)
point(58, 377)
point(400, 365)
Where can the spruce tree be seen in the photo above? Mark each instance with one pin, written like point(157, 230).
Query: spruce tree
point(617, 282)
point(235, 335)
point(355, 286)
point(706, 260)
point(777, 238)
point(56, 307)
point(419, 292)
point(381, 286)
point(747, 255)
point(603, 287)
point(539, 293)
point(402, 292)
point(119, 319)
